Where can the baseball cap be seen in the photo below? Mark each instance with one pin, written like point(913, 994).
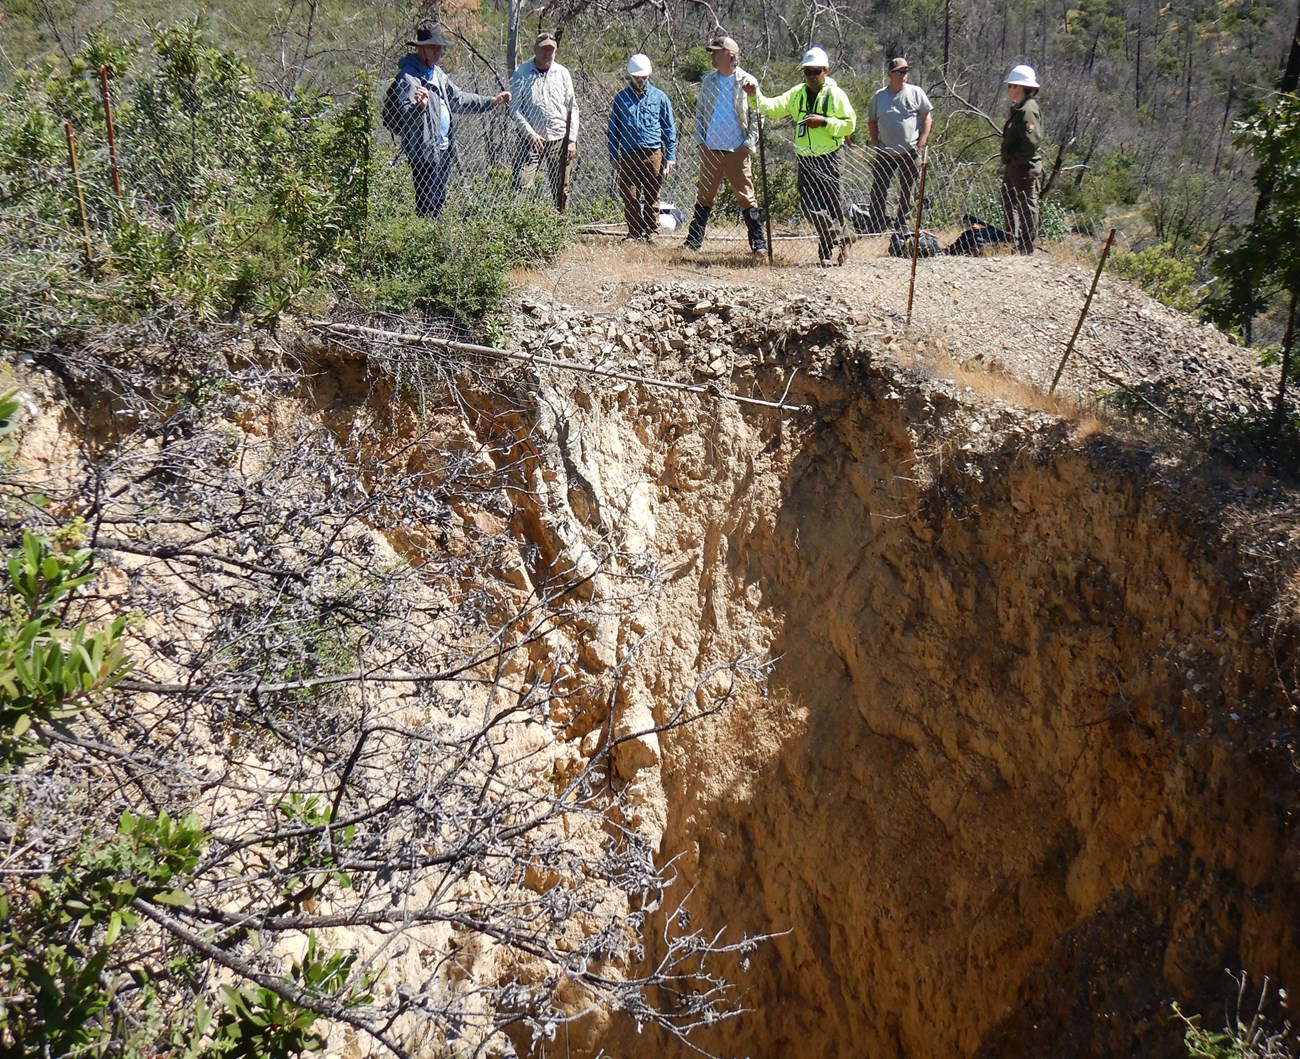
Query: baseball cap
point(544, 39)
point(898, 66)
point(724, 44)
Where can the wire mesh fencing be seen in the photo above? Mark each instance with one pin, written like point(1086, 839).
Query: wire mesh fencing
point(861, 199)
point(210, 197)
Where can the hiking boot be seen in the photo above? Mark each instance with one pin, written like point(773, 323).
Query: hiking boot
point(649, 238)
point(699, 221)
point(754, 225)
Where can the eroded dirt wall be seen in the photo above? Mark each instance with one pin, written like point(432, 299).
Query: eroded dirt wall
point(1024, 774)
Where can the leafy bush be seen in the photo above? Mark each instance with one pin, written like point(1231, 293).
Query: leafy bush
point(459, 264)
point(1162, 273)
point(48, 672)
point(235, 200)
point(1111, 180)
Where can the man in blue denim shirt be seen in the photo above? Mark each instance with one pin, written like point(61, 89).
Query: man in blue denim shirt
point(642, 148)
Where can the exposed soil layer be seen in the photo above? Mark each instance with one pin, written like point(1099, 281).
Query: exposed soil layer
point(1026, 770)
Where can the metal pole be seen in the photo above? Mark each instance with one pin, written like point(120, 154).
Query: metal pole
point(1069, 347)
point(916, 236)
point(408, 339)
point(762, 172)
point(81, 195)
point(112, 132)
point(562, 169)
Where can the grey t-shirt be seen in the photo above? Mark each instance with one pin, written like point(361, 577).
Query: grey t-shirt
point(899, 116)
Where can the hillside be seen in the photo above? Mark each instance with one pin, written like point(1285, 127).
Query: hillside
point(980, 704)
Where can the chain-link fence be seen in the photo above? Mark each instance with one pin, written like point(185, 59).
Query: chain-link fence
point(227, 201)
point(861, 199)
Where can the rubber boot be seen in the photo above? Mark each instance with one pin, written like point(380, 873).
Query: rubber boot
point(699, 221)
point(754, 223)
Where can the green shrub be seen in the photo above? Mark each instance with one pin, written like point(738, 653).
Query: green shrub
point(458, 265)
point(694, 64)
point(1162, 273)
point(236, 201)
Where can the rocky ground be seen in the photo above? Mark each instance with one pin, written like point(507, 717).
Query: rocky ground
point(1000, 316)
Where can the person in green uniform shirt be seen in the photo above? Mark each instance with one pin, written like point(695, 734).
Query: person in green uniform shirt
point(823, 117)
point(1022, 165)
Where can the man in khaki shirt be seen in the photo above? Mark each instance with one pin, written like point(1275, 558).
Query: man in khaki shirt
point(546, 113)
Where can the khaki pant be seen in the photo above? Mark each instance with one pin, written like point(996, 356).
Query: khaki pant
point(735, 168)
point(529, 161)
point(640, 176)
point(1020, 203)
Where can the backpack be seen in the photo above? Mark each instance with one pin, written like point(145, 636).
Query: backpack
point(976, 238)
point(390, 110)
point(900, 245)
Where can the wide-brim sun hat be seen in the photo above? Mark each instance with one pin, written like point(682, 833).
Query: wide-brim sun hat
point(815, 57)
point(1024, 76)
point(429, 35)
point(639, 66)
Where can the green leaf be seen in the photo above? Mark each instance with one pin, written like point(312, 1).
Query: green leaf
point(176, 898)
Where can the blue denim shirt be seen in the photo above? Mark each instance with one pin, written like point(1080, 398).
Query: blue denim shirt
point(641, 123)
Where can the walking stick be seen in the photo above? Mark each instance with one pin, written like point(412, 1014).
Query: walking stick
point(916, 237)
point(1069, 346)
point(762, 172)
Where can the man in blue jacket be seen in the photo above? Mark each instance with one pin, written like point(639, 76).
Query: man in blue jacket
point(426, 101)
point(642, 147)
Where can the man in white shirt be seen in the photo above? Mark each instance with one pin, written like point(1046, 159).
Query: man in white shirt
point(546, 113)
point(726, 130)
point(899, 118)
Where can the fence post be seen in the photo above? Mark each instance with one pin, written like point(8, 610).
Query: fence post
point(916, 236)
point(81, 195)
point(762, 172)
point(112, 132)
point(562, 169)
point(1069, 346)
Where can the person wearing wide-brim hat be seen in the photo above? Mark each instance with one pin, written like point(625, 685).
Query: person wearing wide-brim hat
point(1022, 164)
point(426, 101)
point(823, 118)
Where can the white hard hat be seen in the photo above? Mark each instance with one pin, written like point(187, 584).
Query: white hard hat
point(816, 57)
point(1022, 75)
point(638, 66)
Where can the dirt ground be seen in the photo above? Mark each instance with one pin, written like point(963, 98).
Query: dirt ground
point(1003, 314)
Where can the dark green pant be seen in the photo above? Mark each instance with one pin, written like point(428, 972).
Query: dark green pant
point(1020, 202)
point(530, 160)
